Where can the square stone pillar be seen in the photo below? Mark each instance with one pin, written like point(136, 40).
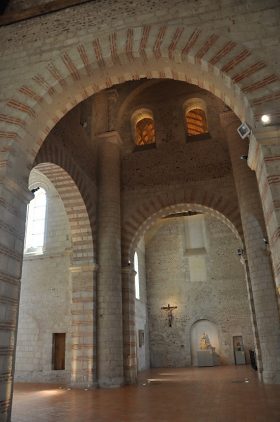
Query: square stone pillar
point(264, 159)
point(129, 334)
point(13, 202)
point(83, 332)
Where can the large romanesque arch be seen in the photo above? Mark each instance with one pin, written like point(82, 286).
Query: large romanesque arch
point(81, 234)
point(141, 219)
point(209, 60)
point(83, 264)
point(79, 201)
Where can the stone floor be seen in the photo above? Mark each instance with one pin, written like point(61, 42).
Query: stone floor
point(219, 394)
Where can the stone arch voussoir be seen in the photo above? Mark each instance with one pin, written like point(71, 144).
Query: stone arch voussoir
point(210, 60)
point(146, 215)
point(79, 219)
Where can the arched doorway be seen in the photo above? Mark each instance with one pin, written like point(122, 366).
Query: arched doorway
point(63, 272)
point(189, 260)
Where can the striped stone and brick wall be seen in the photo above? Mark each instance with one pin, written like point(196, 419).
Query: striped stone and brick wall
point(49, 68)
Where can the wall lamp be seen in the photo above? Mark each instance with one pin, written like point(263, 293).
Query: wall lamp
point(244, 130)
point(265, 119)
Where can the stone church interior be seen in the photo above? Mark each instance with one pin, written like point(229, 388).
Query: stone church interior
point(140, 223)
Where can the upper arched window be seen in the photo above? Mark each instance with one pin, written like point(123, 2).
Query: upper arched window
point(35, 225)
point(196, 122)
point(143, 127)
point(195, 117)
point(137, 279)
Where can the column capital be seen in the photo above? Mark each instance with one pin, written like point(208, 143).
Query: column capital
point(111, 136)
point(18, 189)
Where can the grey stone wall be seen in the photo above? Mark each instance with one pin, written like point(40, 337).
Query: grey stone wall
point(45, 297)
point(217, 292)
point(248, 25)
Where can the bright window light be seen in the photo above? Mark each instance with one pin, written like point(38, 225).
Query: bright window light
point(35, 226)
point(137, 282)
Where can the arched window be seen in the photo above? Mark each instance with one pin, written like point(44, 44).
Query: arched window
point(137, 280)
point(143, 127)
point(195, 117)
point(145, 132)
point(196, 122)
point(35, 225)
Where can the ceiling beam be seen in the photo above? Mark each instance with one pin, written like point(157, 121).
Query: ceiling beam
point(39, 10)
point(3, 5)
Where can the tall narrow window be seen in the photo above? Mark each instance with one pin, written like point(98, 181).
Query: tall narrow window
point(58, 351)
point(137, 280)
point(35, 229)
point(196, 122)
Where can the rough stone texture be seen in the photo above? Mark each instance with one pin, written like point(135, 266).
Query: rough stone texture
point(220, 297)
point(24, 4)
point(247, 25)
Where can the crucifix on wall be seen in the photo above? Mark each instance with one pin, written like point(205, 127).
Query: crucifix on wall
point(169, 309)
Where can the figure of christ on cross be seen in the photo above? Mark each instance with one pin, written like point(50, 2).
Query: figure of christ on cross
point(169, 309)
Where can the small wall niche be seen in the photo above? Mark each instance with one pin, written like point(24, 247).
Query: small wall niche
point(141, 338)
point(58, 351)
point(197, 330)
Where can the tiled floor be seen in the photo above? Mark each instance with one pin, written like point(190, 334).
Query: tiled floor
point(218, 394)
